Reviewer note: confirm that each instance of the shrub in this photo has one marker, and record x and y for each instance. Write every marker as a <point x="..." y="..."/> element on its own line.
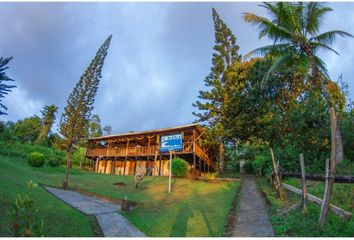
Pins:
<point x="262" y="165"/>
<point x="179" y="167"/>
<point x="24" y="217"/>
<point x="248" y="167"/>
<point x="53" y="162"/>
<point x="36" y="159"/>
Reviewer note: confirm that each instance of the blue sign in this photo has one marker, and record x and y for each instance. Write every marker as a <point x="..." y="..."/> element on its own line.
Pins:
<point x="171" y="143"/>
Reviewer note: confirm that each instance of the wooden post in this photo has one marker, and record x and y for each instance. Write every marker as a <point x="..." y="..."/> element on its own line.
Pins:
<point x="147" y="157"/>
<point x="126" y="156"/>
<point x="136" y="163"/>
<point x="303" y="183"/>
<point x="200" y="166"/>
<point x="105" y="166"/>
<point x="330" y="170"/>
<point x="114" y="166"/>
<point x="160" y="165"/>
<point x="276" y="175"/>
<point x="194" y="156"/>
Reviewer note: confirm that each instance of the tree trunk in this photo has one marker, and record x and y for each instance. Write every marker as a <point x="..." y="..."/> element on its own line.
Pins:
<point x="222" y="157"/>
<point x="66" y="179"/>
<point x="339" y="145"/>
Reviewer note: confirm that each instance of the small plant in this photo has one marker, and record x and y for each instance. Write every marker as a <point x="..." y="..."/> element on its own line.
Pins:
<point x="53" y="162"/>
<point x="24" y="217"/>
<point x="179" y="167"/>
<point x="36" y="159"/>
<point x="210" y="177"/>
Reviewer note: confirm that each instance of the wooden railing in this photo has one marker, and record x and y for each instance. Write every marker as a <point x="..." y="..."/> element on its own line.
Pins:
<point x="201" y="154"/>
<point x="147" y="151"/>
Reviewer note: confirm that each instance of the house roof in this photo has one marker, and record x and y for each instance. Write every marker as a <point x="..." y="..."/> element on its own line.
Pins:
<point x="161" y="130"/>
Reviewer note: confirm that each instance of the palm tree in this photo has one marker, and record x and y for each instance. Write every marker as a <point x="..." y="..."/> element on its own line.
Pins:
<point x="4" y="88"/>
<point x="294" y="29"/>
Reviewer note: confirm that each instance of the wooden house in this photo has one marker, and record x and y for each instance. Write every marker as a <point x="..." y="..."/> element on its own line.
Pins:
<point x="139" y="152"/>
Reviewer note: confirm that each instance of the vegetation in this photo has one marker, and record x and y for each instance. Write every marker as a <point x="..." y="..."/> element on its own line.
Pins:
<point x="296" y="224"/>
<point x="4" y="88"/>
<point x="74" y="121"/>
<point x="14" y="173"/>
<point x="219" y="81"/>
<point x="48" y="118"/>
<point x="25" y="222"/>
<point x="95" y="129"/>
<point x="36" y="159"/>
<point x="174" y="214"/>
<point x="179" y="167"/>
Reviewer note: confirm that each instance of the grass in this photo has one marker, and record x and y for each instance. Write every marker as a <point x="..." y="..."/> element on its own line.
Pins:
<point x="296" y="224"/>
<point x="60" y="219"/>
<point x="194" y="208"/>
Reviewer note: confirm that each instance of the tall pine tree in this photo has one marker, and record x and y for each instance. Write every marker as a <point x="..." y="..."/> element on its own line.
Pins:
<point x="213" y="107"/>
<point x="75" y="118"/>
<point x="48" y="118"/>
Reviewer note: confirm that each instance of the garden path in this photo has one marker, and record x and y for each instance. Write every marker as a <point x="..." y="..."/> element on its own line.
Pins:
<point x="252" y="218"/>
<point x="111" y="222"/>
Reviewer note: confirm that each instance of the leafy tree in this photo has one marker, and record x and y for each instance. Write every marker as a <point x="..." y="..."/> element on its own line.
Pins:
<point x="294" y="29"/>
<point x="48" y="118"/>
<point x="215" y="100"/>
<point x="4" y="88"/>
<point x="74" y="121"/>
<point x="107" y="129"/>
<point x="7" y="132"/>
<point x="28" y="129"/>
<point x="95" y="129"/>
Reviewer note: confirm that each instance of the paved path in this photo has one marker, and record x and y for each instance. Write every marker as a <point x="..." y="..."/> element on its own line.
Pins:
<point x="111" y="222"/>
<point x="252" y="218"/>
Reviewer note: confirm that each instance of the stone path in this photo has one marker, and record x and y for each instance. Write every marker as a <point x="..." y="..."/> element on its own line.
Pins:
<point x="111" y="222"/>
<point x="252" y="218"/>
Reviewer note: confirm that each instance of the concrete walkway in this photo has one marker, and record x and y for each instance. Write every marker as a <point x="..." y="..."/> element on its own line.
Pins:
<point x="111" y="222"/>
<point x="252" y="218"/>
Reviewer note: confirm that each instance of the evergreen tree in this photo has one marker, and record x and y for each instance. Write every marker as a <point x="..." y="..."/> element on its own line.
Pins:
<point x="4" y="88"/>
<point x="215" y="99"/>
<point x="74" y="121"/>
<point x="48" y="118"/>
<point x="95" y="129"/>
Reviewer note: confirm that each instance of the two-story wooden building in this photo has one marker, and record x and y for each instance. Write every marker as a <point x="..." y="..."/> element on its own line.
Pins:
<point x="139" y="152"/>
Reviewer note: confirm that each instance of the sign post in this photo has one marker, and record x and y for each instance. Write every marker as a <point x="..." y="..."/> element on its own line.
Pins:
<point x="170" y="173"/>
<point x="170" y="143"/>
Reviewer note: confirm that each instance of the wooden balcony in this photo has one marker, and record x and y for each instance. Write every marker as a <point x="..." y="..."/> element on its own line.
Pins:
<point x="142" y="151"/>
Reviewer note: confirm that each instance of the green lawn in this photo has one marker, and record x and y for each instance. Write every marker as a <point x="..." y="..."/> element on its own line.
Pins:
<point x="295" y="224"/>
<point x="194" y="208"/>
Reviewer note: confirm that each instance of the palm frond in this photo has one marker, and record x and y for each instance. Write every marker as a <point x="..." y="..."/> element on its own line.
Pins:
<point x="322" y="66"/>
<point x="318" y="46"/>
<point x="279" y="61"/>
<point x="262" y="51"/>
<point x="328" y="38"/>
<point x="314" y="16"/>
<point x="267" y="28"/>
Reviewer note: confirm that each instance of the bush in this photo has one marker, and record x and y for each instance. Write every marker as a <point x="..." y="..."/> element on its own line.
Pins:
<point x="36" y="159"/>
<point x="248" y="167"/>
<point x="179" y="167"/>
<point x="262" y="165"/>
<point x="53" y="162"/>
<point x="24" y="217"/>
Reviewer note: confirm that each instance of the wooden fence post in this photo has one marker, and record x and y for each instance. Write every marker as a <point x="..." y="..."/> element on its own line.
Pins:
<point x="276" y="175"/>
<point x="330" y="170"/>
<point x="303" y="183"/>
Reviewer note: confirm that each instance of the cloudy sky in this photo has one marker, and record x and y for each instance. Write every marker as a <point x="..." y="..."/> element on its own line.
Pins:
<point x="159" y="55"/>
